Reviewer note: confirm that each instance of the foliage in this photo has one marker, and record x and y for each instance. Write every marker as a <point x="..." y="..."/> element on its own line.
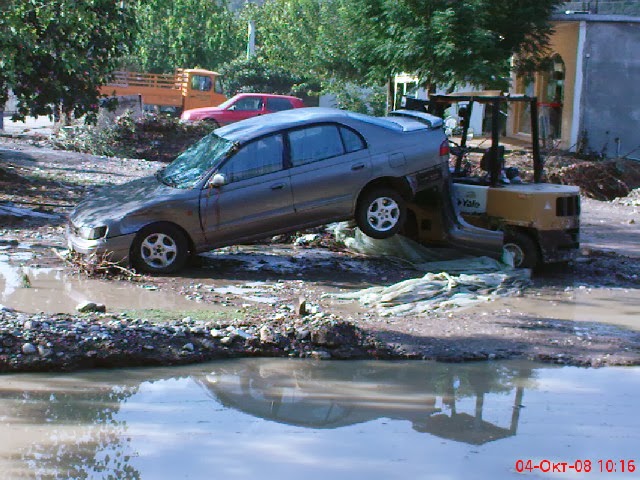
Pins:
<point x="151" y="136"/>
<point x="316" y="38"/>
<point x="371" y="100"/>
<point x="257" y="75"/>
<point x="185" y="34"/>
<point x="366" y="41"/>
<point x="453" y="43"/>
<point x="55" y="53"/>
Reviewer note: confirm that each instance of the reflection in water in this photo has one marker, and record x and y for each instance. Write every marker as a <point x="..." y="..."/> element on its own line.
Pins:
<point x="267" y="418"/>
<point x="63" y="429"/>
<point x="323" y="396"/>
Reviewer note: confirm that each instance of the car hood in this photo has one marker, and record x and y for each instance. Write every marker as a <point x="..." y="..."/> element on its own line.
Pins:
<point x="205" y="110"/>
<point x="114" y="202"/>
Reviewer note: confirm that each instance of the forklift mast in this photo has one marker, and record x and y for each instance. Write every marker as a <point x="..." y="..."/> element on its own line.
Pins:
<point x="437" y="104"/>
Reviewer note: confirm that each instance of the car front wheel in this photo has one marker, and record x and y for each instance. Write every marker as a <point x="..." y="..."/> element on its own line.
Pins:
<point x="159" y="248"/>
<point x="381" y="213"/>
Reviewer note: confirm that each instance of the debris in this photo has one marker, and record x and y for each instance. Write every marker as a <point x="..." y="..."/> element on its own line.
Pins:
<point x="459" y="283"/>
<point x="87" y="307"/>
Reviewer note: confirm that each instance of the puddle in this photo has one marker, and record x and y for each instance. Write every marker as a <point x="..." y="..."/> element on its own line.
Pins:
<point x="270" y="418"/>
<point x="288" y="259"/>
<point x="618" y="306"/>
<point x="52" y="291"/>
<point x="259" y="292"/>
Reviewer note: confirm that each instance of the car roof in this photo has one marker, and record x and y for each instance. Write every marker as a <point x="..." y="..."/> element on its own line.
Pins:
<point x="257" y="126"/>
<point x="270" y="95"/>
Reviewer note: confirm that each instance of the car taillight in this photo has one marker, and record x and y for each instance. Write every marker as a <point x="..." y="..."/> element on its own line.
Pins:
<point x="444" y="148"/>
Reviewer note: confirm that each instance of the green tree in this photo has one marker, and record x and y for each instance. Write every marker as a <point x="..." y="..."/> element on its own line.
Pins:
<point x="257" y="75"/>
<point x="447" y="42"/>
<point x="56" y="53"/>
<point x="322" y="38"/>
<point x="185" y="34"/>
<point x="450" y="42"/>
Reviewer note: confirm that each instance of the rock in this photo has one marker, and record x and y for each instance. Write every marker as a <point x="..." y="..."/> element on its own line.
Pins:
<point x="270" y="336"/>
<point x="44" y="351"/>
<point x="149" y="347"/>
<point x="226" y="341"/>
<point x="303" y="334"/>
<point x="87" y="307"/>
<point x="320" y="355"/>
<point x="243" y="334"/>
<point x="30" y="325"/>
<point x="215" y="333"/>
<point x="29" y="349"/>
<point x="188" y="347"/>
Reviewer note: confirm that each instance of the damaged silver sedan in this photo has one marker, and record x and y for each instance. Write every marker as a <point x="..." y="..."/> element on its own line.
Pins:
<point x="262" y="177"/>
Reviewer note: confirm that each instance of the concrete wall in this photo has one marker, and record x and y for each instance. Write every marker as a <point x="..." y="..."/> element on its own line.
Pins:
<point x="610" y="101"/>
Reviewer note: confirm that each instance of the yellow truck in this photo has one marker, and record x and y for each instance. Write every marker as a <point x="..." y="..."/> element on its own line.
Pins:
<point x="171" y="93"/>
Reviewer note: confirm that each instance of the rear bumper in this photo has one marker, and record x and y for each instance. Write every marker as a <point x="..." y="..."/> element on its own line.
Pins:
<point x="559" y="245"/>
<point x="116" y="248"/>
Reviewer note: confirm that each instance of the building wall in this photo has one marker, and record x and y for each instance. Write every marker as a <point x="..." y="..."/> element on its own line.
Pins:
<point x="610" y="101"/>
<point x="564" y="42"/>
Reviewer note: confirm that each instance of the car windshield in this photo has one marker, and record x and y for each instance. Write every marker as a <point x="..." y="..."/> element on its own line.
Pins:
<point x="227" y="103"/>
<point x="192" y="164"/>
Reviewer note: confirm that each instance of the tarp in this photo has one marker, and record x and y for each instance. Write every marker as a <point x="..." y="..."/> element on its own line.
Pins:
<point x="446" y="285"/>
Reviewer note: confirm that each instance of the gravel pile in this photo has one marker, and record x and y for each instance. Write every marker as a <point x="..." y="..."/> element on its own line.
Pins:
<point x="68" y="342"/>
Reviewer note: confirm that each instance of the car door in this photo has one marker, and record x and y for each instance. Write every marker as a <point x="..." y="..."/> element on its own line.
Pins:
<point x="329" y="166"/>
<point x="244" y="107"/>
<point x="256" y="197"/>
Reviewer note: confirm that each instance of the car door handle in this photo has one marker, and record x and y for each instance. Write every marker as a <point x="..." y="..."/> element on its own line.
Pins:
<point x="357" y="166"/>
<point x="278" y="186"/>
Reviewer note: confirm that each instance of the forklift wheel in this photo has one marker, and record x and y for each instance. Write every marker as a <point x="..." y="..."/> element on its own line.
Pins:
<point x="523" y="248"/>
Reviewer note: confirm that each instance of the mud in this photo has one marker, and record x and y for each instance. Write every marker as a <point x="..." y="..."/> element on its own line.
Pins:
<point x="264" y="285"/>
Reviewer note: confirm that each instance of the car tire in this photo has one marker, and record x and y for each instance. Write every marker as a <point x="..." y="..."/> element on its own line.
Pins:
<point x="159" y="248"/>
<point x="381" y="213"/>
<point x="523" y="248"/>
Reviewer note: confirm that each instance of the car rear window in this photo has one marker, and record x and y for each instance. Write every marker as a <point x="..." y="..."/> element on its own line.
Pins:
<point x="278" y="104"/>
<point x="351" y="140"/>
<point x="315" y="143"/>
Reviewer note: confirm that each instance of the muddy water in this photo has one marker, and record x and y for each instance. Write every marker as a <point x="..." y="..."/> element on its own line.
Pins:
<point x="618" y="306"/>
<point x="54" y="291"/>
<point x="272" y="418"/>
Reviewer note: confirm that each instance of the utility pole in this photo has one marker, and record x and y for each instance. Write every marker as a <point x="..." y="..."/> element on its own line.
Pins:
<point x="251" y="39"/>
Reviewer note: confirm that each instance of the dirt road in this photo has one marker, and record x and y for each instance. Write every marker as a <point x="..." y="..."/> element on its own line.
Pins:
<point x="261" y="287"/>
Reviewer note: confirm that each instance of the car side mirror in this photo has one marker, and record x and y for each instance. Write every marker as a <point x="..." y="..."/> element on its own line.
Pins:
<point x="232" y="107"/>
<point x="217" y="180"/>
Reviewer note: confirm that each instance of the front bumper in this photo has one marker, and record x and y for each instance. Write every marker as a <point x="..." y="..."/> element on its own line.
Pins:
<point x="116" y="249"/>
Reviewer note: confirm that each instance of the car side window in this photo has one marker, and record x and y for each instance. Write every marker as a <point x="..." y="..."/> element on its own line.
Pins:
<point x="248" y="104"/>
<point x="254" y="159"/>
<point x="352" y="141"/>
<point x="315" y="143"/>
<point x="218" y="86"/>
<point x="278" y="104"/>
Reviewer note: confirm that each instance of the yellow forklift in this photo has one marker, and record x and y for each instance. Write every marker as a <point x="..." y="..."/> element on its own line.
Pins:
<point x="540" y="221"/>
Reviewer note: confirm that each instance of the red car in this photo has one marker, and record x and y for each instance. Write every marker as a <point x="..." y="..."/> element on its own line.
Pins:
<point x="242" y="106"/>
